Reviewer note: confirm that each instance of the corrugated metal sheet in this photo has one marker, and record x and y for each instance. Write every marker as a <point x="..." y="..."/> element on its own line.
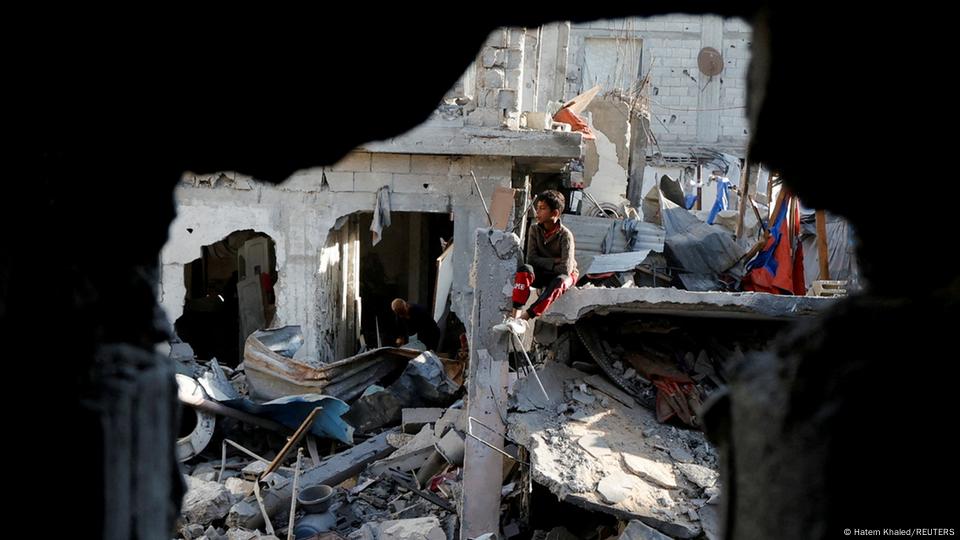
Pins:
<point x="617" y="262"/>
<point x="589" y="232"/>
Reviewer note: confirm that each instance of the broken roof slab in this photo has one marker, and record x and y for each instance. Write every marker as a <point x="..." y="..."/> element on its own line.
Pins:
<point x="577" y="303"/>
<point x="611" y="456"/>
<point x="480" y="141"/>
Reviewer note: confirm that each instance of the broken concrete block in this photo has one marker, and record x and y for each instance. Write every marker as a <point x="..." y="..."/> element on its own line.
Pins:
<point x="595" y="445"/>
<point x="253" y="470"/>
<point x="205" y="501"/>
<point x="212" y="533"/>
<point x="713" y="495"/>
<point x="242" y="534"/>
<point x="637" y="530"/>
<point x="618" y="486"/>
<point x="451" y="418"/>
<point x="710" y="521"/>
<point x="488" y="57"/>
<point x="409" y="456"/>
<point x="681" y="454"/>
<point x="583" y="397"/>
<point x="484" y="117"/>
<point x="648" y="469"/>
<point x="451" y="447"/>
<point x="239" y="487"/>
<point x="397" y="440"/>
<point x="413" y="420"/>
<point x="192" y="531"/>
<point x="698" y="474"/>
<point x="426" y="528"/>
<point x="209" y="476"/>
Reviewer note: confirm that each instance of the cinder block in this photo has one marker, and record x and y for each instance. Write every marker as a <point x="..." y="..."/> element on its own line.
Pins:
<point x="488" y="57"/>
<point x="340" y="181"/>
<point x="499" y="38"/>
<point x="489" y="98"/>
<point x="419" y="183"/>
<point x="353" y="162"/>
<point x="413" y="420"/>
<point x="493" y="78"/>
<point x="397" y="163"/>
<point x="508" y="100"/>
<point x="371" y="181"/>
<point x="429" y="165"/>
<point x="483" y="117"/>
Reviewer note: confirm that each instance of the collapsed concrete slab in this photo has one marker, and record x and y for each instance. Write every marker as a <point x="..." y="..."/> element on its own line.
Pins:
<point x="577" y="303"/>
<point x="427" y="528"/>
<point x="609" y="457"/>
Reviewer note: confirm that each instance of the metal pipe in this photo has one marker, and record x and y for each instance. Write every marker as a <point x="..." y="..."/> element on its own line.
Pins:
<point x="214" y="407"/>
<point x="293" y="499"/>
<point x="482" y="200"/>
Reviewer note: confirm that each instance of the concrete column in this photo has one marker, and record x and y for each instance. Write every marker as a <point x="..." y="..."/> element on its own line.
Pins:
<point x="554" y="43"/>
<point x="494" y="264"/>
<point x="708" y="115"/>
<point x="531" y="69"/>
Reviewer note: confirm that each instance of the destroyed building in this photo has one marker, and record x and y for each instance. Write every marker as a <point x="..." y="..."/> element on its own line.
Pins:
<point x="787" y="428"/>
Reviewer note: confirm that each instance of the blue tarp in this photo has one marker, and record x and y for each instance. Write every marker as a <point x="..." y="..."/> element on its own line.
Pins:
<point x="290" y="411"/>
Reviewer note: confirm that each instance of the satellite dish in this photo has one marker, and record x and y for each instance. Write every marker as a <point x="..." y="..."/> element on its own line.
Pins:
<point x="710" y="61"/>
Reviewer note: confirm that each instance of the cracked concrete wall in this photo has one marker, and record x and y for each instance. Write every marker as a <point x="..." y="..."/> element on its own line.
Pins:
<point x="499" y="81"/>
<point x="606" y="160"/>
<point x="300" y="213"/>
<point x="687" y="107"/>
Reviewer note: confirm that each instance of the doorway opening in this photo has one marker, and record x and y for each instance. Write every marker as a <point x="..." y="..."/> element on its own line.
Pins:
<point x="229" y="295"/>
<point x="404" y="264"/>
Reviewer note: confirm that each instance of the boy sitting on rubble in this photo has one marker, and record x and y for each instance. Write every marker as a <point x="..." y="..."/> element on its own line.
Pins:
<point x="550" y="264"/>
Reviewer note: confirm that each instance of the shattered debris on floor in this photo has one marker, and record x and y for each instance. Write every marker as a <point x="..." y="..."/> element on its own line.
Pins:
<point x="600" y="449"/>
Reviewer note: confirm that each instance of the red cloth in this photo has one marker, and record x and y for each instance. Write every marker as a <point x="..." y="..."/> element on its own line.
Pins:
<point x="788" y="254"/>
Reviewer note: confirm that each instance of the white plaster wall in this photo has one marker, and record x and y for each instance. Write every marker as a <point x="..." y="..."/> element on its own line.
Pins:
<point x="609" y="184"/>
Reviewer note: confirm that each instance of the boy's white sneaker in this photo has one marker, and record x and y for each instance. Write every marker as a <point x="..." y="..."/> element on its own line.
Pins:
<point x="511" y="324"/>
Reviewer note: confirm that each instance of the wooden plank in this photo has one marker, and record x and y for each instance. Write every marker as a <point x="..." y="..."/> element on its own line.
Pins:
<point x="742" y="197"/>
<point x="822" y="245"/>
<point x="501" y="207"/>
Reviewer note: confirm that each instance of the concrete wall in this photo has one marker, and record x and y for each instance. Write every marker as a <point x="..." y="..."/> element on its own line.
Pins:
<point x="300" y="214"/>
<point x="687" y="108"/>
<point x="499" y="79"/>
